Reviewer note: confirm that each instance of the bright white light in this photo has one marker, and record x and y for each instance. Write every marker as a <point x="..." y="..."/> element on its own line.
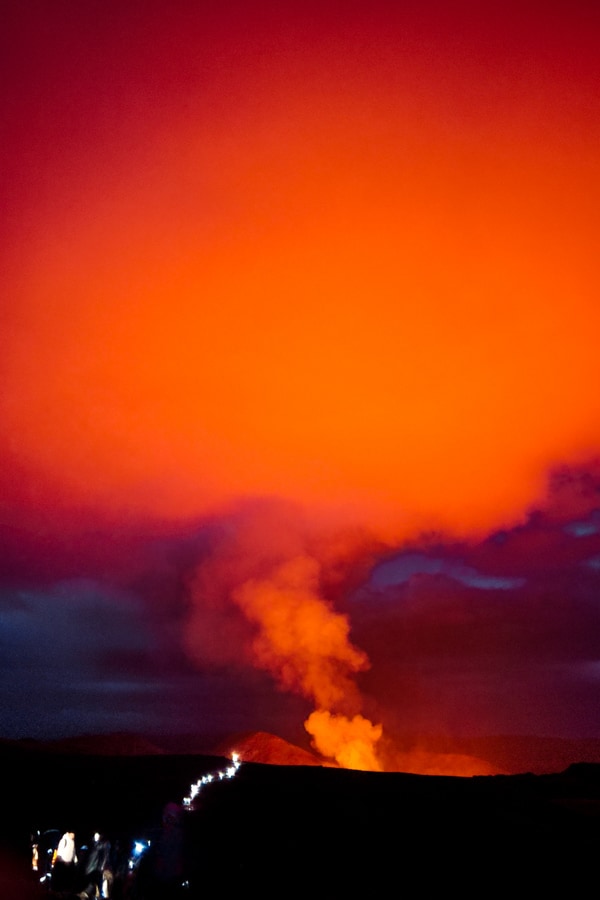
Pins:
<point x="207" y="779"/>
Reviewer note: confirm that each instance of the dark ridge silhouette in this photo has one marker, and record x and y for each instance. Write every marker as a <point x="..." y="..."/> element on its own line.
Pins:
<point x="285" y="830"/>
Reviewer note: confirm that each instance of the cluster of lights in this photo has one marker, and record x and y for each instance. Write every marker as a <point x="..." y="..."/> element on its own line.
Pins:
<point x="140" y="847"/>
<point x="229" y="772"/>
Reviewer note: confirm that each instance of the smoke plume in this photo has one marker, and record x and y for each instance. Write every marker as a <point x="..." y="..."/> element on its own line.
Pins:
<point x="296" y="634"/>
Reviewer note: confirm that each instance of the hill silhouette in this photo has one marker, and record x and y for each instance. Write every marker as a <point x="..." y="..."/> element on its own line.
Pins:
<point x="409" y="753"/>
<point x="281" y="830"/>
<point x="262" y="747"/>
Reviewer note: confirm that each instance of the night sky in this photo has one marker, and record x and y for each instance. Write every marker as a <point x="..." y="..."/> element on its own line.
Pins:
<point x="300" y="418"/>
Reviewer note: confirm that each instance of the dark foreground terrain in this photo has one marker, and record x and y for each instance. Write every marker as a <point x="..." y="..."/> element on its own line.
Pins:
<point x="284" y="831"/>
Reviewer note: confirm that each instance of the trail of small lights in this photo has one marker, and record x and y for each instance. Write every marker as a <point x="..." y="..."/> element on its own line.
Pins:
<point x="229" y="772"/>
<point x="139" y="846"/>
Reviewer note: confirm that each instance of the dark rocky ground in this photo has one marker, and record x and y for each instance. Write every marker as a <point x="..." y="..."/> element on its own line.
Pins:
<point x="285" y="831"/>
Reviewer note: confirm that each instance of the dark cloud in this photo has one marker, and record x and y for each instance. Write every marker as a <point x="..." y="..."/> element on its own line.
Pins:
<point x="402" y="567"/>
<point x="55" y="643"/>
<point x="498" y="635"/>
<point x="452" y="653"/>
<point x="88" y="655"/>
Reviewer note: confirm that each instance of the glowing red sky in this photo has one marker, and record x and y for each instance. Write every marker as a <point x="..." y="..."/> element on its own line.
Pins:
<point x="340" y="256"/>
<point x="344" y="257"/>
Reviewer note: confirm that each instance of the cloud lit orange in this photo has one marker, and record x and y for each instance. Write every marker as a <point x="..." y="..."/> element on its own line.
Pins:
<point x="361" y="283"/>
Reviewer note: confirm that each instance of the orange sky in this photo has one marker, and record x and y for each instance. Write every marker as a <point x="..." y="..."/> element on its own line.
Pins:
<point x="347" y="268"/>
<point x="334" y="255"/>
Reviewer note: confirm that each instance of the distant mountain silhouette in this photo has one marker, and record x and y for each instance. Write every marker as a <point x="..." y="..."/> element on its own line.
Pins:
<point x="506" y="754"/>
<point x="116" y="744"/>
<point x="411" y="753"/>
